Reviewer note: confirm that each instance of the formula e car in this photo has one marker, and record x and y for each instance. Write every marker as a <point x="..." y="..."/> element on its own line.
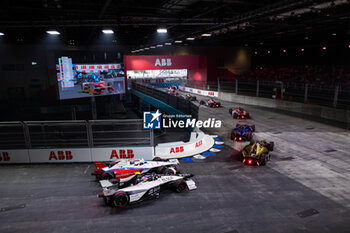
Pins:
<point x="124" y="170"/>
<point x="145" y="187"/>
<point x="190" y="97"/>
<point x="257" y="153"/>
<point x="210" y="103"/>
<point x="242" y="132"/>
<point x="238" y="113"/>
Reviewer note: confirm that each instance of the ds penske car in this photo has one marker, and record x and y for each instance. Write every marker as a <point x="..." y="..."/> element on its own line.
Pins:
<point x="257" y="153"/>
<point x="238" y="113"/>
<point x="242" y="132"/>
<point x="190" y="97"/>
<point x="210" y="103"/>
<point x="145" y="187"/>
<point x="124" y="170"/>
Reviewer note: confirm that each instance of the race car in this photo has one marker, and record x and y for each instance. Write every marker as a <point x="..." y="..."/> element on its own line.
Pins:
<point x="124" y="170"/>
<point x="238" y="113"/>
<point x="257" y="153"/>
<point x="190" y="97"/>
<point x="145" y="187"/>
<point x="242" y="132"/>
<point x="210" y="103"/>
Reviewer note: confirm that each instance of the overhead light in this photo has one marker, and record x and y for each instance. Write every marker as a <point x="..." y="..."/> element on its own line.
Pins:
<point x="108" y="31"/>
<point x="324" y="48"/>
<point x="2" y="34"/>
<point x="146" y="48"/>
<point x="53" y="32"/>
<point x="133" y="51"/>
<point x="178" y="41"/>
<point x="189" y="38"/>
<point x="284" y="50"/>
<point x="206" y="34"/>
<point x="306" y="37"/>
<point x="141" y="49"/>
<point x="334" y="34"/>
<point x="167" y="43"/>
<point x="302" y="50"/>
<point x="162" y="30"/>
<point x="159" y="45"/>
<point x="152" y="47"/>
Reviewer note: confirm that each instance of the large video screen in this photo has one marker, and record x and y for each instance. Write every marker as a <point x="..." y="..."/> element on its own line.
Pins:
<point x="87" y="80"/>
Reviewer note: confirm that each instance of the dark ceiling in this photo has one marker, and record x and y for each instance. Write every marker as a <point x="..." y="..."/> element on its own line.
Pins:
<point x="231" y="22"/>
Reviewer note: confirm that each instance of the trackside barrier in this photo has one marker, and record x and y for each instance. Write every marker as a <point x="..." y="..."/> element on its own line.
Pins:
<point x="74" y="141"/>
<point x="200" y="92"/>
<point x="69" y="155"/>
<point x="199" y="142"/>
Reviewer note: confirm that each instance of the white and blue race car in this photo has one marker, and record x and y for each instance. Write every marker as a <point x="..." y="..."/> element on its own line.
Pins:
<point x="144" y="187"/>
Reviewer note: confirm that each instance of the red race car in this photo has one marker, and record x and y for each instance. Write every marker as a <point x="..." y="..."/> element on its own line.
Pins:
<point x="239" y="113"/>
<point x="124" y="170"/>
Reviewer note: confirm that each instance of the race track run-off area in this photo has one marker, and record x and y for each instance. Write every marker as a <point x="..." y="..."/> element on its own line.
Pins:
<point x="304" y="188"/>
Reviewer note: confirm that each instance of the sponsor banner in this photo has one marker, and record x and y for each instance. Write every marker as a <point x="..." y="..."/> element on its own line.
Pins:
<point x="201" y="144"/>
<point x="200" y="92"/>
<point x="156" y="62"/>
<point x="96" y="67"/>
<point x="14" y="156"/>
<point x="60" y="155"/>
<point x="113" y="153"/>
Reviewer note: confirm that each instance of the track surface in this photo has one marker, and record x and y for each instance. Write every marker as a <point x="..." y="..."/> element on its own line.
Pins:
<point x="230" y="198"/>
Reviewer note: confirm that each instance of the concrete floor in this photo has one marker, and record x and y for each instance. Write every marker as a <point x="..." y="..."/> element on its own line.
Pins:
<point x="309" y="170"/>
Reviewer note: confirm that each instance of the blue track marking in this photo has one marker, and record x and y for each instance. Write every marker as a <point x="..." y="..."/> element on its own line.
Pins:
<point x="207" y="153"/>
<point x="218" y="146"/>
<point x="187" y="159"/>
<point x="217" y="139"/>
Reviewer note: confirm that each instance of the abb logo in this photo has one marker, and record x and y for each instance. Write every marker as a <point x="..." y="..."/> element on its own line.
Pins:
<point x="61" y="155"/>
<point x="199" y="92"/>
<point x="198" y="144"/>
<point x="163" y="62"/>
<point x="4" y="156"/>
<point x="191" y="90"/>
<point x="178" y="149"/>
<point x="211" y="93"/>
<point x="122" y="155"/>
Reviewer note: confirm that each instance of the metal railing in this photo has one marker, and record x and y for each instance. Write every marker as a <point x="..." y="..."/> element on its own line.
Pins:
<point x="332" y="95"/>
<point x="74" y="134"/>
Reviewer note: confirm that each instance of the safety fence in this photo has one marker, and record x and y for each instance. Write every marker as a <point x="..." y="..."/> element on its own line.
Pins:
<point x="160" y="94"/>
<point x="74" y="141"/>
<point x="73" y="134"/>
<point x="332" y="95"/>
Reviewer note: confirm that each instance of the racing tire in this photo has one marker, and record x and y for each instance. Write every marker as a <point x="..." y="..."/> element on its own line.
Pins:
<point x="169" y="171"/>
<point x="108" y="176"/>
<point x="201" y="102"/>
<point x="253" y="128"/>
<point x="263" y="159"/>
<point x="181" y="186"/>
<point x="249" y="137"/>
<point x="235" y="115"/>
<point x="160" y="170"/>
<point x="120" y="199"/>
<point x="230" y="110"/>
<point x="271" y="145"/>
<point x="176" y="168"/>
<point x="157" y="159"/>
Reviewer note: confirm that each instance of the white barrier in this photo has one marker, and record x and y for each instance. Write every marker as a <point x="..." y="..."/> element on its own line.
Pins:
<point x="113" y="153"/>
<point x="198" y="143"/>
<point x="64" y="155"/>
<point x="14" y="156"/>
<point x="59" y="155"/>
<point x="200" y="92"/>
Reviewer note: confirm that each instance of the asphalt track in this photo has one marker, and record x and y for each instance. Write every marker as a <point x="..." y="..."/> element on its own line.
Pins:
<point x="304" y="188"/>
